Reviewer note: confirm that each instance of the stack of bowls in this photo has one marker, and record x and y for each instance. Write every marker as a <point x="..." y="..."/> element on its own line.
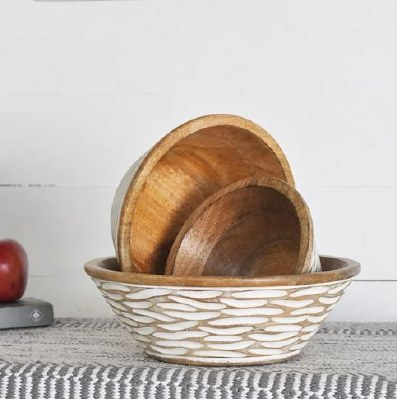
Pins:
<point x="216" y="259"/>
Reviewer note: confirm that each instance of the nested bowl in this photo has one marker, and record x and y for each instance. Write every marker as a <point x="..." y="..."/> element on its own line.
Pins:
<point x="254" y="227"/>
<point x="192" y="162"/>
<point x="222" y="320"/>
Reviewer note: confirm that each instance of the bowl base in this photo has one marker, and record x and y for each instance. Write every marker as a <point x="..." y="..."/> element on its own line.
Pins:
<point x="223" y="361"/>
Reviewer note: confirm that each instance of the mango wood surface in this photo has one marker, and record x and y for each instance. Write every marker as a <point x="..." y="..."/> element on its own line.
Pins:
<point x="254" y="227"/>
<point x="179" y="173"/>
<point x="333" y="269"/>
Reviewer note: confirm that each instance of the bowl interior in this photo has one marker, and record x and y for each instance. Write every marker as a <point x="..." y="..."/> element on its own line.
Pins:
<point x="255" y="227"/>
<point x="190" y="164"/>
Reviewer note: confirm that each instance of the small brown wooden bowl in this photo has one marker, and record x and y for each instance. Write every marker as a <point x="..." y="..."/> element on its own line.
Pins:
<point x="254" y="227"/>
<point x="189" y="164"/>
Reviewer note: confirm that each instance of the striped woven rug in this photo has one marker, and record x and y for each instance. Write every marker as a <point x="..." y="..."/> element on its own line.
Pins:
<point x="96" y="358"/>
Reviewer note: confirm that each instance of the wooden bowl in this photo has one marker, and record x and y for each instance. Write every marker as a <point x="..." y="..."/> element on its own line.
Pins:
<point x="222" y="320"/>
<point x="193" y="161"/>
<point x="253" y="227"/>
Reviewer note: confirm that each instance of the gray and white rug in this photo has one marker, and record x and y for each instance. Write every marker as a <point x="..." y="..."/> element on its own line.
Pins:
<point x="96" y="358"/>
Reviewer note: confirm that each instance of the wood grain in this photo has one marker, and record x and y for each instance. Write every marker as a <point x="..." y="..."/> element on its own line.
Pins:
<point x="253" y="227"/>
<point x="179" y="173"/>
<point x="333" y="269"/>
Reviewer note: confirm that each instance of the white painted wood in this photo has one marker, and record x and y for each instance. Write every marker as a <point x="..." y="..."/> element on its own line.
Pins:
<point x="60" y="227"/>
<point x="356" y="222"/>
<point x="63" y="226"/>
<point x="87" y="87"/>
<point x="71" y="297"/>
<point x="78" y="297"/>
<point x="81" y="80"/>
<point x="367" y="301"/>
<point x="104" y="134"/>
<point x="219" y="348"/>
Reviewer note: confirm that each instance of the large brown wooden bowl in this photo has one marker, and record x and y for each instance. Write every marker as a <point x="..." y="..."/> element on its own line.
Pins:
<point x="190" y="163"/>
<point x="222" y="320"/>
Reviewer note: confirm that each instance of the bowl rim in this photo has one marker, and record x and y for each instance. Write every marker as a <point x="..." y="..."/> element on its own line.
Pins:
<point x="337" y="269"/>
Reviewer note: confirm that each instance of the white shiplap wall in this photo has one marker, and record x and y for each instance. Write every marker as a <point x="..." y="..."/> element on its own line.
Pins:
<point x="87" y="87"/>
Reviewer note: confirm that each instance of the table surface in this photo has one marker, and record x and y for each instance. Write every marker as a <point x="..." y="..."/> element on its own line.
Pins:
<point x="88" y="355"/>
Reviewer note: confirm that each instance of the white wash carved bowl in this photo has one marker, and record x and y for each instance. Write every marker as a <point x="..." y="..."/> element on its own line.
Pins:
<point x="241" y="322"/>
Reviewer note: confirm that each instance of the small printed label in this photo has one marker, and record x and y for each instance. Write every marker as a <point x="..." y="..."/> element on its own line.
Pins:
<point x="35" y="315"/>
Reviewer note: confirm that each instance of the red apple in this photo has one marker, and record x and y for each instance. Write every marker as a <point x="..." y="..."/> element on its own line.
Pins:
<point x="13" y="270"/>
